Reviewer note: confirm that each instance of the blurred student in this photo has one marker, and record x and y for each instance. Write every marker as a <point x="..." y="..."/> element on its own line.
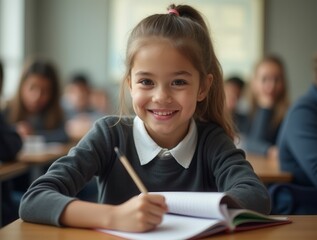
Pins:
<point x="234" y="87"/>
<point x="36" y="109"/>
<point x="10" y="145"/>
<point x="79" y="111"/>
<point x="298" y="138"/>
<point x="101" y="102"/>
<point x="269" y="103"/>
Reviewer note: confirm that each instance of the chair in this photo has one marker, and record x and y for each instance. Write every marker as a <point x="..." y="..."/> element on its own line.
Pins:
<point x="292" y="199"/>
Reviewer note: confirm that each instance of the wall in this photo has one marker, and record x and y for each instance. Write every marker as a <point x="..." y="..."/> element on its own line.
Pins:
<point x="68" y="30"/>
<point x="291" y="32"/>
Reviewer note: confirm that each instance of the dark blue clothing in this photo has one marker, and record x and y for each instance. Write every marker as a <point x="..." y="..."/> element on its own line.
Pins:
<point x="57" y="134"/>
<point x="260" y="134"/>
<point x="298" y="140"/>
<point x="10" y="141"/>
<point x="10" y="145"/>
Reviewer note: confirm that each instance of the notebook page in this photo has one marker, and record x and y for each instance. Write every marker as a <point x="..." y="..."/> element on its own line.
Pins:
<point x="198" y="204"/>
<point x="175" y="227"/>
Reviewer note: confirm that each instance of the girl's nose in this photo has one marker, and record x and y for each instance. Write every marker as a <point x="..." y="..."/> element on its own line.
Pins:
<point x="162" y="95"/>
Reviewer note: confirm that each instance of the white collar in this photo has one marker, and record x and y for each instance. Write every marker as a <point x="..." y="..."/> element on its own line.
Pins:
<point x="147" y="149"/>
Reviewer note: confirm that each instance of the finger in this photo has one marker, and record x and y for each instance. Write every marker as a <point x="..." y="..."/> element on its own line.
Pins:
<point x="154" y="219"/>
<point x="158" y="200"/>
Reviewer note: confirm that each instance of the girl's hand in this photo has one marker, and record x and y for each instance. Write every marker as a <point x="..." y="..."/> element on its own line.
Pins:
<point x="24" y="129"/>
<point x="139" y="214"/>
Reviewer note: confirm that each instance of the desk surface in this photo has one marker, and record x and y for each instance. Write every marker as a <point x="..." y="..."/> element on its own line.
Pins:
<point x="47" y="155"/>
<point x="11" y="169"/>
<point x="302" y="227"/>
<point x="268" y="169"/>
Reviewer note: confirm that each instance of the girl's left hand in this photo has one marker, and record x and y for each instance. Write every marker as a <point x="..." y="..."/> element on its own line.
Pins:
<point x="24" y="129"/>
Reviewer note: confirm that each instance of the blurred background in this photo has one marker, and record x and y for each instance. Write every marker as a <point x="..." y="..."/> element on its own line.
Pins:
<point x="90" y="36"/>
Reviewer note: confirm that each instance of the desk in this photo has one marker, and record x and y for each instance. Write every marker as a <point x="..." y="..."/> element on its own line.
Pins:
<point x="303" y="227"/>
<point x="11" y="169"/>
<point x="7" y="171"/>
<point x="47" y="155"/>
<point x="268" y="169"/>
<point x="39" y="159"/>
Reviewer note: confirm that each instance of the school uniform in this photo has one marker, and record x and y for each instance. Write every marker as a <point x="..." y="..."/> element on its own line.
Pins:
<point x="205" y="160"/>
<point x="298" y="140"/>
<point x="260" y="134"/>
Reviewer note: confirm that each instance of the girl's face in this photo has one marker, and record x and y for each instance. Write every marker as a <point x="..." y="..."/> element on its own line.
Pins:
<point x="36" y="92"/>
<point x="268" y="83"/>
<point x="165" y="88"/>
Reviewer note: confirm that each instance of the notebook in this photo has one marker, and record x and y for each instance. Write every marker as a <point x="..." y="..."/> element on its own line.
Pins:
<point x="201" y="214"/>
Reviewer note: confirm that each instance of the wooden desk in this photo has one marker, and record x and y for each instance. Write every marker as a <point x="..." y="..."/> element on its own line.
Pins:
<point x="49" y="154"/>
<point x="268" y="169"/>
<point x="32" y="162"/>
<point x="11" y="169"/>
<point x="7" y="171"/>
<point x="37" y="160"/>
<point x="303" y="227"/>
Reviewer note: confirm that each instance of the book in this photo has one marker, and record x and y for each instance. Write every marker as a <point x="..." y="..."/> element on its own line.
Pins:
<point x="201" y="214"/>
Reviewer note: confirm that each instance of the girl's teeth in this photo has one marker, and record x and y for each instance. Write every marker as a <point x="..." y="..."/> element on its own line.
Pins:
<point x="163" y="113"/>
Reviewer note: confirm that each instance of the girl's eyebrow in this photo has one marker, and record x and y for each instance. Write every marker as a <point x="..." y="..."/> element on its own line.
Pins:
<point x="144" y="73"/>
<point x="182" y="73"/>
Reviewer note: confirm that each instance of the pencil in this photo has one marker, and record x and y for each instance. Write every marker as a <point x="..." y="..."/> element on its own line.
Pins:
<point x="131" y="171"/>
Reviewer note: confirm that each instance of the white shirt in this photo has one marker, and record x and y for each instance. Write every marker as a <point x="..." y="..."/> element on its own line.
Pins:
<point x="147" y="149"/>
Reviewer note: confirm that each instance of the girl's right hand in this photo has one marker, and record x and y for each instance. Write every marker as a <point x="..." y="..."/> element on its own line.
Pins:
<point x="139" y="214"/>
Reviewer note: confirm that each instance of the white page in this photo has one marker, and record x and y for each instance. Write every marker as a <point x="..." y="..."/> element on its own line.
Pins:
<point x="199" y="204"/>
<point x="173" y="227"/>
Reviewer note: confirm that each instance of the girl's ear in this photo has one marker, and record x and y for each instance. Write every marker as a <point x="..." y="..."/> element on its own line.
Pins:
<point x="204" y="88"/>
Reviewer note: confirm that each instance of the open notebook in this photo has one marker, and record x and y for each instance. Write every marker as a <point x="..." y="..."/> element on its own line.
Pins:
<point x="199" y="214"/>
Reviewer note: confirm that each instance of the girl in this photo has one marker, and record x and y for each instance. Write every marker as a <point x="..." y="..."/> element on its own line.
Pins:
<point x="35" y="109"/>
<point x="269" y="103"/>
<point x="179" y="139"/>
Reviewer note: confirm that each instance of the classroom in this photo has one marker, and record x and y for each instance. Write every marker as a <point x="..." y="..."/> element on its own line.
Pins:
<point x="263" y="59"/>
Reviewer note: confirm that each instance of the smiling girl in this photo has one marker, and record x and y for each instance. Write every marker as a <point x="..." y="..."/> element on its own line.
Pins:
<point x="178" y="140"/>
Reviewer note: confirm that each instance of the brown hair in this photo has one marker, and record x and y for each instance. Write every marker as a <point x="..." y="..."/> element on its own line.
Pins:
<point x="282" y="102"/>
<point x="53" y="113"/>
<point x="189" y="34"/>
<point x="1" y="77"/>
<point x="315" y="68"/>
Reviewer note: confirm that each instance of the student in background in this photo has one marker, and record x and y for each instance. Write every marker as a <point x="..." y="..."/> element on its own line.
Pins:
<point x="10" y="145"/>
<point x="298" y="146"/>
<point x="101" y="102"/>
<point x="36" y="109"/>
<point x="80" y="114"/>
<point x="268" y="105"/>
<point x="234" y="89"/>
<point x="179" y="140"/>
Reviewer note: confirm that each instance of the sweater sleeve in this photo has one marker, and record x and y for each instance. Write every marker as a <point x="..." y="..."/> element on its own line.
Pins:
<point x="234" y="174"/>
<point x="47" y="196"/>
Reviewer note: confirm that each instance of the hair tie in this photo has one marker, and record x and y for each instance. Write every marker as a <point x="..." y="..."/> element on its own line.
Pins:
<point x="173" y="11"/>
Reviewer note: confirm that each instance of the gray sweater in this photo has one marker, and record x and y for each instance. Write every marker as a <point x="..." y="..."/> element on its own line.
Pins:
<point x="216" y="166"/>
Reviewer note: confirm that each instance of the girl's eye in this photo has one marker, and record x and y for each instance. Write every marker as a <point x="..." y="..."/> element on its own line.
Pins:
<point x="179" y="82"/>
<point x="146" y="82"/>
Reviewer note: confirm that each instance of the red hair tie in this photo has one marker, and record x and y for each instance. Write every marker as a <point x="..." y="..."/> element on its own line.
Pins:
<point x="173" y="11"/>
